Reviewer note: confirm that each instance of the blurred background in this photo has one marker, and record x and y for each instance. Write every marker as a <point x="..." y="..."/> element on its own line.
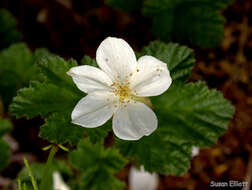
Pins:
<point x="72" y="28"/>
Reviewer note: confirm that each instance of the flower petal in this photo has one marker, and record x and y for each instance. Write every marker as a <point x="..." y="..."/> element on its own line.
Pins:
<point x="134" y="121"/>
<point x="139" y="179"/>
<point x="152" y="79"/>
<point x="58" y="183"/>
<point x="94" y="109"/>
<point x="116" y="58"/>
<point x="89" y="79"/>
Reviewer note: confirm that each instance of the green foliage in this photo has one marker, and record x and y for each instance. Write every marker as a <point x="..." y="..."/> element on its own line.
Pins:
<point x="86" y="60"/>
<point x="38" y="170"/>
<point x="193" y="113"/>
<point x="18" y="67"/>
<point x="5" y="127"/>
<point x="54" y="99"/>
<point x="197" y="21"/>
<point x="8" y="30"/>
<point x="58" y="128"/>
<point x="188" y="115"/>
<point x="180" y="59"/>
<point x="97" y="166"/>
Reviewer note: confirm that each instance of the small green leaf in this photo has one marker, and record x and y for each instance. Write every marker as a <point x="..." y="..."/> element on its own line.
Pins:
<point x="54" y="70"/>
<point x="59" y="129"/>
<point x="86" y="60"/>
<point x="158" y="153"/>
<point x="97" y="166"/>
<point x="8" y="30"/>
<point x="98" y="134"/>
<point x="55" y="99"/>
<point x="43" y="99"/>
<point x="180" y="59"/>
<point x="188" y="115"/>
<point x="18" y="67"/>
<point x="198" y="21"/>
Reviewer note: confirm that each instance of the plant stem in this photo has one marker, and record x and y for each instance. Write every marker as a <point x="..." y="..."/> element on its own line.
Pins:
<point x="19" y="184"/>
<point x="24" y="186"/>
<point x="34" y="183"/>
<point x="47" y="172"/>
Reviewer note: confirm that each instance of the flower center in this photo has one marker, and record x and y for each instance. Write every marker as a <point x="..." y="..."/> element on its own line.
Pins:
<point x="125" y="96"/>
<point x="122" y="91"/>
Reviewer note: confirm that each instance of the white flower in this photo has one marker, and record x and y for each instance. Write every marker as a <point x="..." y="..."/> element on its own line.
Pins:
<point x="195" y="151"/>
<point x="119" y="89"/>
<point x="58" y="183"/>
<point x="142" y="180"/>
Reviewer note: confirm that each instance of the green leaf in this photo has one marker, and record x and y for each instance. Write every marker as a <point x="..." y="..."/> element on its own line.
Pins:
<point x="98" y="134"/>
<point x="193" y="113"/>
<point x="8" y="30"/>
<point x="158" y="153"/>
<point x="130" y="5"/>
<point x="54" y="70"/>
<point x="97" y="166"/>
<point x="59" y="129"/>
<point x="86" y="60"/>
<point x="180" y="59"/>
<point x="5" y="127"/>
<point x="43" y="99"/>
<point x="18" y="67"/>
<point x="188" y="115"/>
<point x="56" y="94"/>
<point x="198" y="21"/>
<point x="55" y="99"/>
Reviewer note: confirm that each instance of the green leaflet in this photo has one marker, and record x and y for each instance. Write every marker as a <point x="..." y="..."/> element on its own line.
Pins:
<point x="97" y="166"/>
<point x="180" y="59"/>
<point x="193" y="113"/>
<point x="197" y="21"/>
<point x="5" y="127"/>
<point x="38" y="170"/>
<point x="188" y="115"/>
<point x="17" y="68"/>
<point x="86" y="60"/>
<point x="59" y="129"/>
<point x="8" y="31"/>
<point x="55" y="99"/>
<point x="42" y="99"/>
